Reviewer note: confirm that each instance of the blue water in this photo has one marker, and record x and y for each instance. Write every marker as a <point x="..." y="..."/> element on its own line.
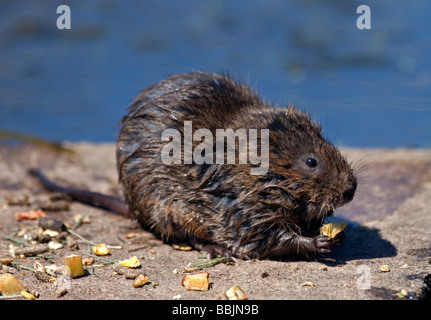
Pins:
<point x="367" y="88"/>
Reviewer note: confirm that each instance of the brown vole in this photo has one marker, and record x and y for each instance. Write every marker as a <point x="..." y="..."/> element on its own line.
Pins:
<point x="220" y="207"/>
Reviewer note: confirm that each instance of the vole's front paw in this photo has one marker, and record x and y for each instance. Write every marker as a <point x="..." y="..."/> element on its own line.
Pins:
<point x="338" y="239"/>
<point x="322" y="243"/>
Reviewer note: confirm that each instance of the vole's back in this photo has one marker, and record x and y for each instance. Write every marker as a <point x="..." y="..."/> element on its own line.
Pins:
<point x="161" y="195"/>
<point x="223" y="204"/>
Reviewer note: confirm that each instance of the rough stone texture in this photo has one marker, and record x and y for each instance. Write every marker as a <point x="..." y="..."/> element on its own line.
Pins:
<point x="389" y="223"/>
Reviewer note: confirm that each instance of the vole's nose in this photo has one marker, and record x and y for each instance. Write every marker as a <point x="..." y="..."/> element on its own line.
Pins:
<point x="350" y="192"/>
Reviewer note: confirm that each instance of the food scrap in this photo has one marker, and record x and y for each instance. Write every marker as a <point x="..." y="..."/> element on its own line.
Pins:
<point x="332" y="229"/>
<point x="55" y="245"/>
<point x="131" y="235"/>
<point x="81" y="218"/>
<point x="27" y="295"/>
<point x="100" y="249"/>
<point x="87" y="261"/>
<point x="74" y="267"/>
<point x="60" y="292"/>
<point x="9" y="285"/>
<point x="196" y="281"/>
<point x="29" y="215"/>
<point x="140" y="280"/>
<point x="133" y="262"/>
<point x="401" y="295"/>
<point x="307" y="284"/>
<point x="182" y="247"/>
<point x="6" y="261"/>
<point x="384" y="268"/>
<point x="236" y="293"/>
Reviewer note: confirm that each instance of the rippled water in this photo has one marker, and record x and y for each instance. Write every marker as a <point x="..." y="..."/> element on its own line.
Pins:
<point x="368" y="88"/>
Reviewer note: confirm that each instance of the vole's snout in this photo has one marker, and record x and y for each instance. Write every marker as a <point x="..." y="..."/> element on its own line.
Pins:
<point x="350" y="192"/>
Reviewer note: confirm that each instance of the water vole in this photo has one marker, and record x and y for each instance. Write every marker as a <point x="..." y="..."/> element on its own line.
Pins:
<point x="220" y="207"/>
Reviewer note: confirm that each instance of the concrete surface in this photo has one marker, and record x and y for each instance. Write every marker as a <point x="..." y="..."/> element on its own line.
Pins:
<point x="389" y="223"/>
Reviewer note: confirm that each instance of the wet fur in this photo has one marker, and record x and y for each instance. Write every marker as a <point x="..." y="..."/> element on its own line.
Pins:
<point x="250" y="216"/>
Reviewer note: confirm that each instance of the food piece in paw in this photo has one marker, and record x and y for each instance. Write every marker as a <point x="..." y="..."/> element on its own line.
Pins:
<point x="332" y="229"/>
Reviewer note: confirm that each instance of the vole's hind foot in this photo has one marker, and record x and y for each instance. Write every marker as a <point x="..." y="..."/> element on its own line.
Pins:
<point x="213" y="250"/>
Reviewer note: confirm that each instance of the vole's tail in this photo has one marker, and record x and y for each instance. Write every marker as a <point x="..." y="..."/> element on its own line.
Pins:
<point x="99" y="200"/>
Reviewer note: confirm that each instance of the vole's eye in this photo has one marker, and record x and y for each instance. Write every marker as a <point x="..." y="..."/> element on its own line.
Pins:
<point x="311" y="162"/>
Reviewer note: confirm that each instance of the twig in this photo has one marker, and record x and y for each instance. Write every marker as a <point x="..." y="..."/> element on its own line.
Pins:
<point x="90" y="242"/>
<point x="207" y="263"/>
<point x="97" y="257"/>
<point x="136" y="249"/>
<point x="32" y="251"/>
<point x="23" y="243"/>
<point x="94" y="272"/>
<point x="79" y="221"/>
<point x="18" y="267"/>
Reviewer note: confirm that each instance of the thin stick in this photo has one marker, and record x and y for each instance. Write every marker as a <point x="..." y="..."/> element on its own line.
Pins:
<point x="18" y="267"/>
<point x="207" y="263"/>
<point x="90" y="242"/>
<point x="97" y="257"/>
<point x="23" y="243"/>
<point x="136" y="249"/>
<point x="79" y="221"/>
